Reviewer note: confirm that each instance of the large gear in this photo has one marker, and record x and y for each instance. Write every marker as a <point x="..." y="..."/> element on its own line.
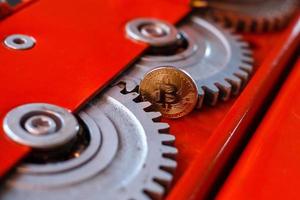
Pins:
<point x="129" y="156"/>
<point x="255" y="16"/>
<point x="218" y="61"/>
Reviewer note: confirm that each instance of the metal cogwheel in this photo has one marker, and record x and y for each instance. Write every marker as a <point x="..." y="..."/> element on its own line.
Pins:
<point x="255" y="16"/>
<point x="129" y="156"/>
<point x="218" y="61"/>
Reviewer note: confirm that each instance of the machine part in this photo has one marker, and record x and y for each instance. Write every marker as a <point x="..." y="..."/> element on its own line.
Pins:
<point x="129" y="156"/>
<point x="171" y="91"/>
<point x="217" y="60"/>
<point x="255" y="16"/>
<point x="154" y="32"/>
<point x="40" y="125"/>
<point x="19" y="42"/>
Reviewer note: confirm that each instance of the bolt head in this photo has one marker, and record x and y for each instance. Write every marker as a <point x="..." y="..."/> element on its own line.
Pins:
<point x="153" y="30"/>
<point x="40" y="125"/>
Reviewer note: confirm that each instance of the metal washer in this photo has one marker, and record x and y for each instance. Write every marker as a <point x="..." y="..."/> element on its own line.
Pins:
<point x="19" y="42"/>
<point x="67" y="125"/>
<point x="170" y="36"/>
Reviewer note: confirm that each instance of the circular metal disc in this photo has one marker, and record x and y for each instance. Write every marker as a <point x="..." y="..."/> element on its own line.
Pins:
<point x="162" y="34"/>
<point x="19" y="42"/>
<point x="66" y="130"/>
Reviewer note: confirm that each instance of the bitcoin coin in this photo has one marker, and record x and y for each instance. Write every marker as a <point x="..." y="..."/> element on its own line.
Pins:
<point x="172" y="91"/>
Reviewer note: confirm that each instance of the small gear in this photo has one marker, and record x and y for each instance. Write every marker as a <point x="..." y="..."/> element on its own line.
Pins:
<point x="254" y="16"/>
<point x="218" y="61"/>
<point x="129" y="156"/>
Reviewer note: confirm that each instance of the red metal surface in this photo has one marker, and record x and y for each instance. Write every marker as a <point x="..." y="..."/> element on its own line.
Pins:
<point x="269" y="166"/>
<point x="207" y="138"/>
<point x="81" y="46"/>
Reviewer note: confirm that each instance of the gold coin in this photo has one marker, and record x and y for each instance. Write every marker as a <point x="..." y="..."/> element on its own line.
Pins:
<point x="172" y="91"/>
<point x="198" y="3"/>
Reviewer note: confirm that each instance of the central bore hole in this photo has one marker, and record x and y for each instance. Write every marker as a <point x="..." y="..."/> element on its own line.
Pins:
<point x="19" y="41"/>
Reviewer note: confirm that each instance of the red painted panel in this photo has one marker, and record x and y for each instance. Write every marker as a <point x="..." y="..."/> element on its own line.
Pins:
<point x="81" y="46"/>
<point x="269" y="166"/>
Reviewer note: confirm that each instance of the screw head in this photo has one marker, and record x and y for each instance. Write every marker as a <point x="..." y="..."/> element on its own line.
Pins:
<point x="40" y="125"/>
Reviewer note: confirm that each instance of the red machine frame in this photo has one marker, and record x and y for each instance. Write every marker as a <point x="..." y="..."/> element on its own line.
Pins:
<point x="68" y="66"/>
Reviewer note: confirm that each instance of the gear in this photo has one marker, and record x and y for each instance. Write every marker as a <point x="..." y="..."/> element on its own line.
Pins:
<point x="255" y="16"/>
<point x="218" y="61"/>
<point x="129" y="156"/>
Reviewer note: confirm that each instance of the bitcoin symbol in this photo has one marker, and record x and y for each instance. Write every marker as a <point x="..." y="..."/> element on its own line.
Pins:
<point x="170" y="90"/>
<point x="167" y="94"/>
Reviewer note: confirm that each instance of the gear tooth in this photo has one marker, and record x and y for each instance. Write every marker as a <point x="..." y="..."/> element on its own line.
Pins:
<point x="247" y="67"/>
<point x="134" y="96"/>
<point x="121" y="86"/>
<point x="211" y="94"/>
<point x="244" y="45"/>
<point x="164" y="178"/>
<point x="169" y="151"/>
<point x="163" y="127"/>
<point x="247" y="52"/>
<point x="248" y="25"/>
<point x="273" y="26"/>
<point x="242" y="75"/>
<point x="248" y="60"/>
<point x="280" y="23"/>
<point x="259" y="26"/>
<point x="155" y="116"/>
<point x="168" y="165"/>
<point x="167" y="139"/>
<point x="131" y="85"/>
<point x="129" y="82"/>
<point x="225" y="89"/>
<point x="145" y="104"/>
<point x="154" y="190"/>
<point x="200" y="98"/>
<point x="238" y="37"/>
<point x="200" y="102"/>
<point x="236" y="84"/>
<point x="230" y="23"/>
